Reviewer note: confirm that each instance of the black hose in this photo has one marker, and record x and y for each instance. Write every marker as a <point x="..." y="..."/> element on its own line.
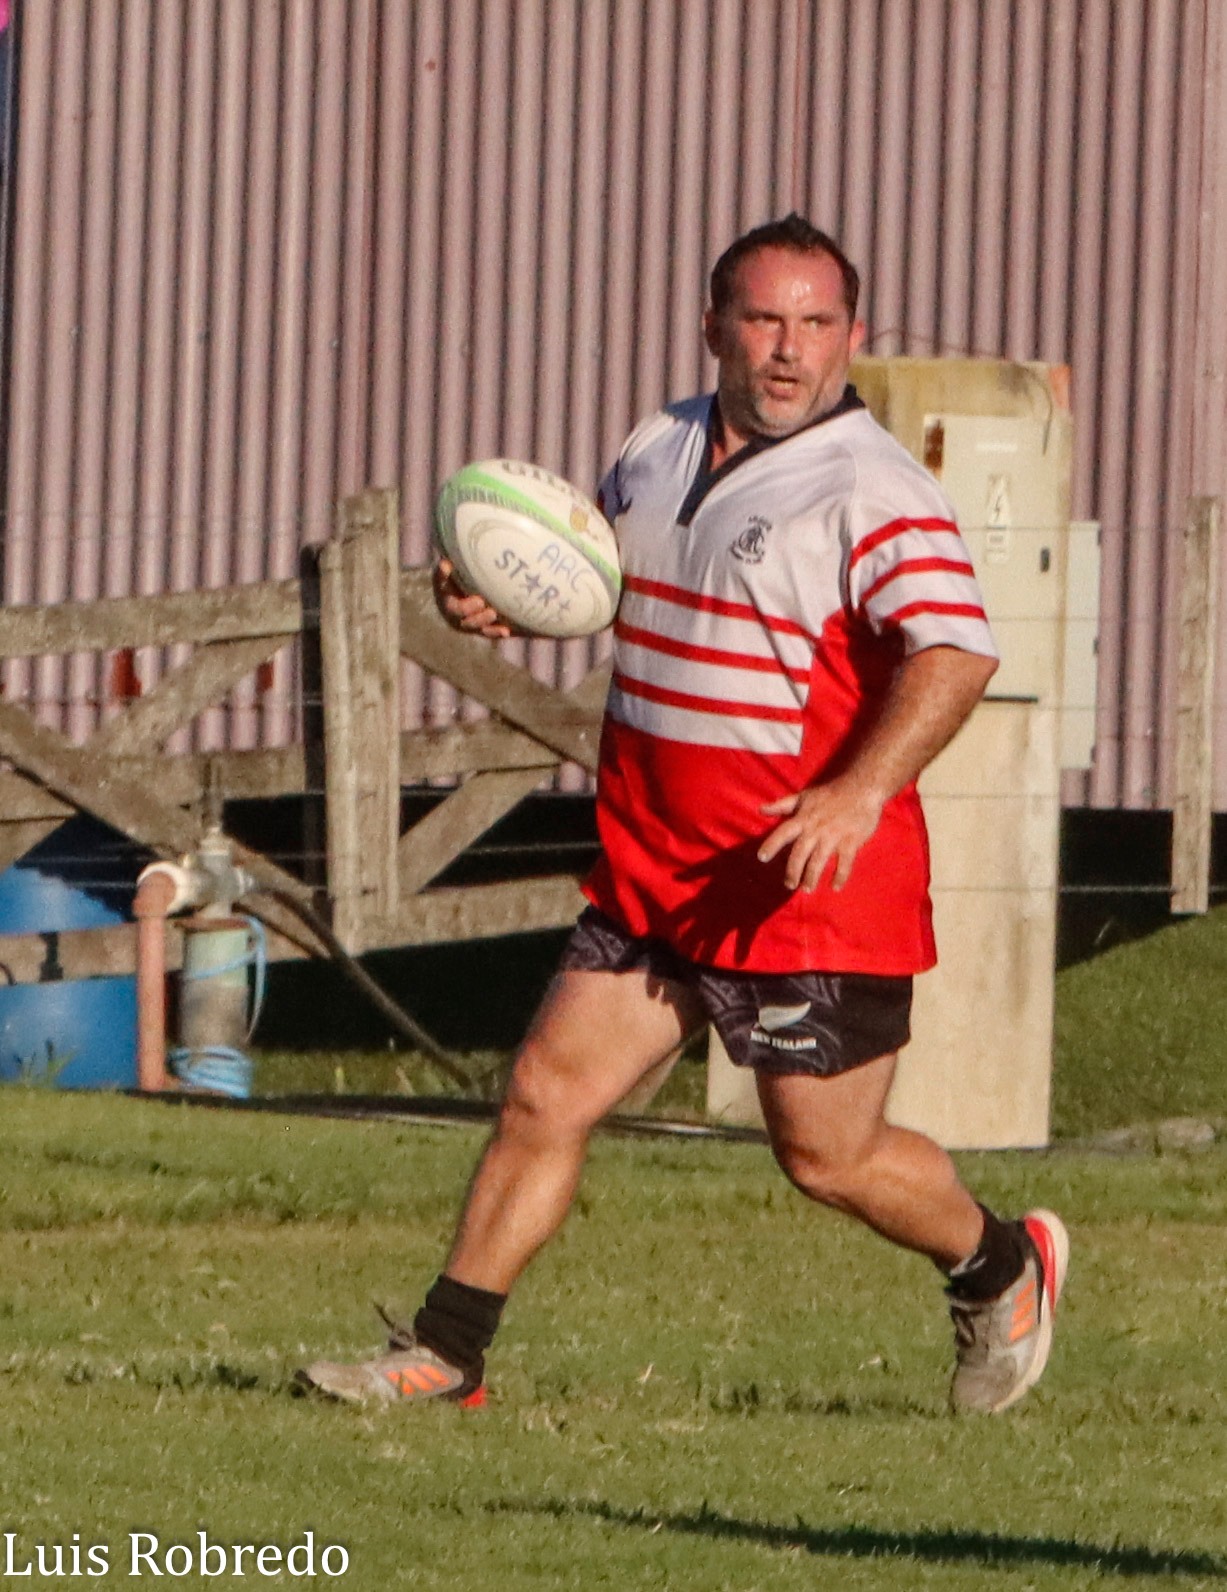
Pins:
<point x="399" y="1018"/>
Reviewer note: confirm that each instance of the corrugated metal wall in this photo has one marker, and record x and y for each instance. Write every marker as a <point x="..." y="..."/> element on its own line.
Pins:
<point x="267" y="251"/>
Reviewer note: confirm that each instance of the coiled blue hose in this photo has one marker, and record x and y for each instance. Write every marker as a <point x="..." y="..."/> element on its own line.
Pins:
<point x="221" y="1068"/>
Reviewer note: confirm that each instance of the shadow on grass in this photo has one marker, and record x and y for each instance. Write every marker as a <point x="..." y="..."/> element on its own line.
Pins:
<point x="204" y="1375"/>
<point x="930" y="1547"/>
<point x="750" y="1398"/>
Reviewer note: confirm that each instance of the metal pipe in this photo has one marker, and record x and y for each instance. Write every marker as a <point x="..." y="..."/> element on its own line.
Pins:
<point x="154" y="895"/>
<point x="161" y="889"/>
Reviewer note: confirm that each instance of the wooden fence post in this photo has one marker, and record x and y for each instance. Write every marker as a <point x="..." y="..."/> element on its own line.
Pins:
<point x="360" y="658"/>
<point x="1194" y="804"/>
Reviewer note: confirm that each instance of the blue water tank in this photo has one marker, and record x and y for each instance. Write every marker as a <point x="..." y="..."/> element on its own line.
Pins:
<point x="73" y="1033"/>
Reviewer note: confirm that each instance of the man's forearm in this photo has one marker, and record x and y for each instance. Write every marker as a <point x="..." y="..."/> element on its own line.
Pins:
<point x="828" y="823"/>
<point x="931" y="695"/>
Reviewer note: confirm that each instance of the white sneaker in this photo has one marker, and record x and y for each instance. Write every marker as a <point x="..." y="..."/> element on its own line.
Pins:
<point x="404" y="1375"/>
<point x="1002" y="1345"/>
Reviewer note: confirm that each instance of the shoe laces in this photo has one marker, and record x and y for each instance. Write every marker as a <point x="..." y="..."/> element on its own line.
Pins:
<point x="399" y="1335"/>
<point x="963" y="1315"/>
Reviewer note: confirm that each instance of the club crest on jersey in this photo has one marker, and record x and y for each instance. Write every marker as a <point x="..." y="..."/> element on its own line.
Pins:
<point x="751" y="546"/>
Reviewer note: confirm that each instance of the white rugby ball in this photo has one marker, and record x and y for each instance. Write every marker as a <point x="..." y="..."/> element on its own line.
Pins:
<point x="534" y="547"/>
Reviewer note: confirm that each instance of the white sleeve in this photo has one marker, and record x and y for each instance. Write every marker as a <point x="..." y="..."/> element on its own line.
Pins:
<point x="611" y="497"/>
<point x="909" y="570"/>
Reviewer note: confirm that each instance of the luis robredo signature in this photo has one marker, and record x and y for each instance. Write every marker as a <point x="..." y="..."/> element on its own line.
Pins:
<point x="143" y="1553"/>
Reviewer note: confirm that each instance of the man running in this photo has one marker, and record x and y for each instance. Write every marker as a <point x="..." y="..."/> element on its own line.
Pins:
<point x="800" y="633"/>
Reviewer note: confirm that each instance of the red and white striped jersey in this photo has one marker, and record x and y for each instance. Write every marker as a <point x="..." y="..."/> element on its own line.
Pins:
<point x="764" y="611"/>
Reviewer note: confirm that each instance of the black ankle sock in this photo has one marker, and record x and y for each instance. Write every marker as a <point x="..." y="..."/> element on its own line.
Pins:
<point x="459" y="1323"/>
<point x="996" y="1263"/>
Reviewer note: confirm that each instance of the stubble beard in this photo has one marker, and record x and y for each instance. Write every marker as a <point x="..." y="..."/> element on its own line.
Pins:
<point x="756" y="417"/>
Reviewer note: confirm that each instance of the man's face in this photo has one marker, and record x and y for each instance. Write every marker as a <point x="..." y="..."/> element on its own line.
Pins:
<point x="784" y="343"/>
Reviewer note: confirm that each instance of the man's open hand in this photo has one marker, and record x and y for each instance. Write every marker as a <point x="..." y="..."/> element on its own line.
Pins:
<point x="465" y="610"/>
<point x="824" y="825"/>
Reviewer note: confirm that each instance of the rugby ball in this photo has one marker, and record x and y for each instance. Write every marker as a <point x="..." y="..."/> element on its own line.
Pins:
<point x="534" y="547"/>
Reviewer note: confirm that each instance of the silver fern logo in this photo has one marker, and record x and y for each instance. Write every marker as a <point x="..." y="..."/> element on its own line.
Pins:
<point x="773" y="1018"/>
<point x="751" y="546"/>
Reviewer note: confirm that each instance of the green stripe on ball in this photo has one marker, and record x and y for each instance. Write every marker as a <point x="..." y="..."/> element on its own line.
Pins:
<point x="498" y="492"/>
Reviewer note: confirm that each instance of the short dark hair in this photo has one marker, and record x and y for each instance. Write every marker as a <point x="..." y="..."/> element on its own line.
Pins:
<point x="792" y="232"/>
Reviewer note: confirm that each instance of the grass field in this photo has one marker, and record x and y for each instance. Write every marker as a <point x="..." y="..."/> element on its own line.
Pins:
<point x="704" y="1384"/>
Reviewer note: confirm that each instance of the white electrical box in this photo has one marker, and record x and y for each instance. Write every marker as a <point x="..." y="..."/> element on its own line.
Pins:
<point x="1007" y="477"/>
<point x="998" y="435"/>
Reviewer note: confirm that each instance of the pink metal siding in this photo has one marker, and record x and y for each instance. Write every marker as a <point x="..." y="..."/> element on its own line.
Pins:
<point x="268" y="251"/>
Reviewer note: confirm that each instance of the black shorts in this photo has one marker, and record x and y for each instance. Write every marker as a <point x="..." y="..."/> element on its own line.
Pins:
<point x="815" y="1023"/>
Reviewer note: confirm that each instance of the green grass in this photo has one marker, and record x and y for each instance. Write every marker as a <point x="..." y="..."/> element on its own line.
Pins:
<point x="1139" y="1031"/>
<point x="406" y="1074"/>
<point x="703" y="1384"/>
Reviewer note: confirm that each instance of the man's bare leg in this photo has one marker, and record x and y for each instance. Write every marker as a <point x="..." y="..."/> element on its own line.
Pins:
<point x="596" y="1035"/>
<point x="833" y="1142"/>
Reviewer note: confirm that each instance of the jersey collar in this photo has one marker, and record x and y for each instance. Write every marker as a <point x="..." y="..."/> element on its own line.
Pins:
<point x="706" y="478"/>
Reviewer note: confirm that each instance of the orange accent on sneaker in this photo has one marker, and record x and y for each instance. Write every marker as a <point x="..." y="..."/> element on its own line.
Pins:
<point x="475" y="1400"/>
<point x="424" y="1378"/>
<point x="408" y="1380"/>
<point x="1025" y="1315"/>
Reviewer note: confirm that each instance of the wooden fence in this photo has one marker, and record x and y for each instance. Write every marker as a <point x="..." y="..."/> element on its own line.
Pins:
<point x="358" y="617"/>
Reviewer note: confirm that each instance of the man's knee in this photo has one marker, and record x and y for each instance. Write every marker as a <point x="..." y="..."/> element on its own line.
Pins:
<point x="829" y="1175"/>
<point x="827" y="1133"/>
<point x="545" y="1097"/>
